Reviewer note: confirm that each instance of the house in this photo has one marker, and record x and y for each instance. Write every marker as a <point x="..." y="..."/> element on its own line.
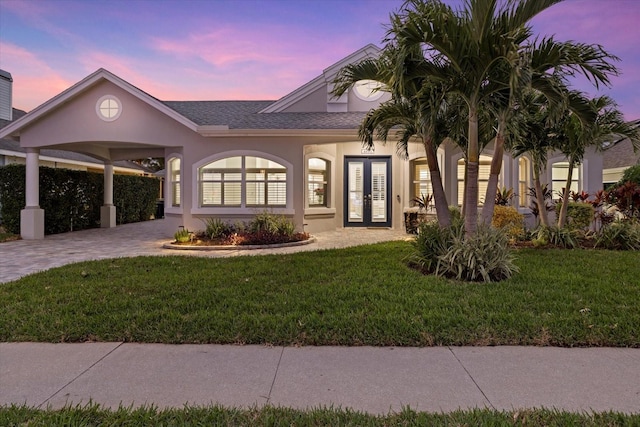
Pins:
<point x="617" y="157"/>
<point x="299" y="156"/>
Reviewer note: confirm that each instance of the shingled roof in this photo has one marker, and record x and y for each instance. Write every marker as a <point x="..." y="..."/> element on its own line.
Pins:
<point x="246" y="115"/>
<point x="621" y="154"/>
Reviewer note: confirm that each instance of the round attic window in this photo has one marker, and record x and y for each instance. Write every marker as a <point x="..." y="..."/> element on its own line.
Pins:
<point x="108" y="108"/>
<point x="368" y="90"/>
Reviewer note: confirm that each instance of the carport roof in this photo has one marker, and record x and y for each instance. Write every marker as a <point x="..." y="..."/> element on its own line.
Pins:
<point x="247" y="115"/>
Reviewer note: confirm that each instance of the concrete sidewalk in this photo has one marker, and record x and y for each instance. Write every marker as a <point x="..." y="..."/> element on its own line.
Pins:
<point x="373" y="380"/>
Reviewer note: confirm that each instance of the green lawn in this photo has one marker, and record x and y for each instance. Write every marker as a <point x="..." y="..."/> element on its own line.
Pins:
<point x="269" y="416"/>
<point x="357" y="296"/>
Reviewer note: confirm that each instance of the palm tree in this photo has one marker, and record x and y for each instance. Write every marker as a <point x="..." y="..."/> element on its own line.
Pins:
<point x="545" y="67"/>
<point x="483" y="53"/>
<point x="534" y="136"/>
<point x="416" y="109"/>
<point x="576" y="135"/>
<point x="470" y="49"/>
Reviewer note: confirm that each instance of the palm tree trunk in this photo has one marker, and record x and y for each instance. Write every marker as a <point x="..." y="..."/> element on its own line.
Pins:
<point x="542" y="204"/>
<point x="471" y="191"/>
<point x="562" y="216"/>
<point x="439" y="196"/>
<point x="492" y="185"/>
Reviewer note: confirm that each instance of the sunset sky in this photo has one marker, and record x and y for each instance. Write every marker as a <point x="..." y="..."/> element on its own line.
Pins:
<point x="247" y="49"/>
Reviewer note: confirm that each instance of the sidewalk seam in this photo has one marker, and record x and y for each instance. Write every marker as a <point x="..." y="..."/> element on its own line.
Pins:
<point x="472" y="379"/>
<point x="275" y="375"/>
<point x="79" y="375"/>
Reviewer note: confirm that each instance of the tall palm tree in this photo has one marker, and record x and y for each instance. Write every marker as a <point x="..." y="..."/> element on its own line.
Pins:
<point x="545" y="67"/>
<point x="484" y="53"/>
<point x="534" y="135"/>
<point x="468" y="48"/>
<point x="417" y="109"/>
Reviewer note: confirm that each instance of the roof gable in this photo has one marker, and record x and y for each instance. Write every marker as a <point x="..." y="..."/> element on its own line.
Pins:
<point x="324" y="80"/>
<point x="13" y="129"/>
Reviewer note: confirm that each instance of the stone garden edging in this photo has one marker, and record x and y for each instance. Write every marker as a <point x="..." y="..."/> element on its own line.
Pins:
<point x="170" y="245"/>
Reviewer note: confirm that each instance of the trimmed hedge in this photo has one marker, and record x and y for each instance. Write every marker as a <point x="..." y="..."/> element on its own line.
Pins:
<point x="72" y="199"/>
<point x="580" y="215"/>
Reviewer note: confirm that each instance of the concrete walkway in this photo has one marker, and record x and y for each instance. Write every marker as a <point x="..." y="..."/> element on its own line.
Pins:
<point x="373" y="380"/>
<point x="22" y="257"/>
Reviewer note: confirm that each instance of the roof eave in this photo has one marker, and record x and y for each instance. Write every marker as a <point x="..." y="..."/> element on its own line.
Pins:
<point x="207" y="131"/>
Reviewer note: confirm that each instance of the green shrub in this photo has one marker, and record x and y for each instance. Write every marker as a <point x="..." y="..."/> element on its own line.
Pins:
<point x="510" y="220"/>
<point x="619" y="235"/>
<point x="215" y="228"/>
<point x="431" y="243"/>
<point x="285" y="226"/>
<point x="72" y="199"/>
<point x="182" y="235"/>
<point x="264" y="222"/>
<point x="485" y="256"/>
<point x="554" y="235"/>
<point x="482" y="257"/>
<point x="580" y="215"/>
<point x="632" y="174"/>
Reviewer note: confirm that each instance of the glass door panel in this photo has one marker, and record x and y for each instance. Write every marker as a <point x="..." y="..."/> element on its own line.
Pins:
<point x="378" y="191"/>
<point x="356" y="192"/>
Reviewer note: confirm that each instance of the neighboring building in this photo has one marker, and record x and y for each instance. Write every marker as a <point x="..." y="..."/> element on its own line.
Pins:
<point x="618" y="156"/>
<point x="299" y="156"/>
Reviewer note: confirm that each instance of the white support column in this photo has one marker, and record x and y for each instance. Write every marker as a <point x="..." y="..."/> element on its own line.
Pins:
<point x="32" y="217"/>
<point x="108" y="210"/>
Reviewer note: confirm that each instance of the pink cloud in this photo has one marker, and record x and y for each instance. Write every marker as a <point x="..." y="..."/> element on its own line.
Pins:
<point x="34" y="81"/>
<point x="39" y="14"/>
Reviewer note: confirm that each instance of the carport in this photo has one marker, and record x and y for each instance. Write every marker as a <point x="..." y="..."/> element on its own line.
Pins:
<point x="101" y="116"/>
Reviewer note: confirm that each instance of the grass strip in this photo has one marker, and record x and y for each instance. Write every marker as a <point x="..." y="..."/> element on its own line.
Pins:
<point x="94" y="415"/>
<point x="363" y="295"/>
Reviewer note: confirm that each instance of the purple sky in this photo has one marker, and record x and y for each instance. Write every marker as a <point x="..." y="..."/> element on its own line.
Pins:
<point x="247" y="49"/>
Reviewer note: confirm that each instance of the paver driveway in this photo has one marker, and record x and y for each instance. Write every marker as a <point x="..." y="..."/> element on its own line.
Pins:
<point x="22" y="257"/>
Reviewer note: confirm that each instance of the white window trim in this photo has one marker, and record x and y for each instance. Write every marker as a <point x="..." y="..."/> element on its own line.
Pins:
<point x="99" y="113"/>
<point x="168" y="188"/>
<point x="245" y="210"/>
<point x="330" y="208"/>
<point x="564" y="159"/>
<point x="456" y="159"/>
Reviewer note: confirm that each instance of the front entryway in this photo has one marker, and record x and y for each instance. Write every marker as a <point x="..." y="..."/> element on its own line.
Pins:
<point x="367" y="191"/>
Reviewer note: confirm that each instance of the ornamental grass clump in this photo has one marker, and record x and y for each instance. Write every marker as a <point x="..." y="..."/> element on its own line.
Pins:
<point x="619" y="235"/>
<point x="482" y="257"/>
<point x="557" y="236"/>
<point x="216" y="228"/>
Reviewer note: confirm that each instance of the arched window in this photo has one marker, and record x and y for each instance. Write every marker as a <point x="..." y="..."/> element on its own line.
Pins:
<point x="483" y="179"/>
<point x="318" y="171"/>
<point x="243" y="181"/>
<point x="174" y="181"/>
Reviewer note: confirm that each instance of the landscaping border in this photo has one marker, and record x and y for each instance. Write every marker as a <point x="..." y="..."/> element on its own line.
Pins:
<point x="170" y="245"/>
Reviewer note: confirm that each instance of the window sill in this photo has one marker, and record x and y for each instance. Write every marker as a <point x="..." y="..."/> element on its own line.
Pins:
<point x="320" y="211"/>
<point x="173" y="210"/>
